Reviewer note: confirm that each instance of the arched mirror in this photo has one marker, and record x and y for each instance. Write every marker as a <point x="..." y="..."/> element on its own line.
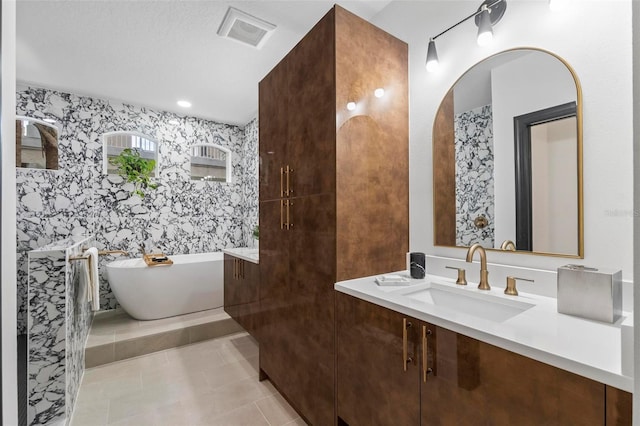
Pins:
<point x="36" y="144"/>
<point x="210" y="162"/>
<point x="507" y="157"/>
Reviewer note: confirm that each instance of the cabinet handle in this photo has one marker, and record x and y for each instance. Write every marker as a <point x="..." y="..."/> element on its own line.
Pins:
<point x="289" y="189"/>
<point x="425" y="350"/>
<point x="242" y="268"/>
<point x="235" y="268"/>
<point x="405" y="355"/>
<point x="289" y="204"/>
<point x="281" y="182"/>
<point x="281" y="214"/>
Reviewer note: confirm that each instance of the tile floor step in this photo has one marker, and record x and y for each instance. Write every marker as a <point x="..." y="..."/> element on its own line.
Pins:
<point x="115" y="336"/>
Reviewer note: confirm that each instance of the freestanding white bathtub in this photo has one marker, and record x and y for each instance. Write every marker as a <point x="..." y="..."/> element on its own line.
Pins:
<point x="194" y="282"/>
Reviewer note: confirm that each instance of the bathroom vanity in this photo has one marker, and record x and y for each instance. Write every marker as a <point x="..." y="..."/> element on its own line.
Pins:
<point x="241" y="287"/>
<point x="437" y="353"/>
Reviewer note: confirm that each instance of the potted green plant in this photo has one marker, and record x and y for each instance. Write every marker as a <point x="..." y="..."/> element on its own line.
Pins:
<point x="256" y="233"/>
<point x="135" y="169"/>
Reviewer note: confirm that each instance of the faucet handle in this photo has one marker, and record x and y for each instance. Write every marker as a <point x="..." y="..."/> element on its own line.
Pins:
<point x="511" y="285"/>
<point x="462" y="276"/>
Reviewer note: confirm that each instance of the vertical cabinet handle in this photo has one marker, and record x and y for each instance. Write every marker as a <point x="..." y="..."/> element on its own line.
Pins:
<point x="405" y="350"/>
<point x="289" y="224"/>
<point x="281" y="182"/>
<point x="235" y="268"/>
<point x="425" y="351"/>
<point x="242" y="268"/>
<point x="289" y="189"/>
<point x="282" y="214"/>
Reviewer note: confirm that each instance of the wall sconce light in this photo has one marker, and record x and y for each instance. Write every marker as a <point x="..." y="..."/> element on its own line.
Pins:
<point x="487" y="15"/>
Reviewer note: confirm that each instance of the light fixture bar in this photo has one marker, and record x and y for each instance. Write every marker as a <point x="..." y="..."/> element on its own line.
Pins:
<point x="473" y="15"/>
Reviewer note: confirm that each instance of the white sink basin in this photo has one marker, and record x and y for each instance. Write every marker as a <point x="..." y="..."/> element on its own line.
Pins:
<point x="486" y="306"/>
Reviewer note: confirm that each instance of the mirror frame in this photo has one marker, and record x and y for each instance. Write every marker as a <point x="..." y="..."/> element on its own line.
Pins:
<point x="439" y="218"/>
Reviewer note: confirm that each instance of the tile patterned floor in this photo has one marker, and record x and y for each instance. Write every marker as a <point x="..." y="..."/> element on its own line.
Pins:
<point x="208" y="383"/>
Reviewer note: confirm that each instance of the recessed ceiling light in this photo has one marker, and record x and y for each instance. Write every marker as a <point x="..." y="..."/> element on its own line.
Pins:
<point x="351" y="106"/>
<point x="379" y="92"/>
<point x="184" y="104"/>
<point x="49" y="120"/>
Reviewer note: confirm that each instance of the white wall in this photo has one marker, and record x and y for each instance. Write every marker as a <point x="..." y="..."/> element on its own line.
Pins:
<point x="8" y="267"/>
<point x="553" y="180"/>
<point x="530" y="83"/>
<point x="602" y="61"/>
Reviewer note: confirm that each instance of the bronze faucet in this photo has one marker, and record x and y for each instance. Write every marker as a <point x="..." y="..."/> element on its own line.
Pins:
<point x="484" y="273"/>
<point x="508" y="245"/>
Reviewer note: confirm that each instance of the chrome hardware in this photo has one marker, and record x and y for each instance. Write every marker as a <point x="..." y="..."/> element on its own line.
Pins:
<point x="462" y="275"/>
<point x="484" y="273"/>
<point x="511" y="285"/>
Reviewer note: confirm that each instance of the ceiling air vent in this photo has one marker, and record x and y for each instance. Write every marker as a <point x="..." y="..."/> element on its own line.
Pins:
<point x="245" y="28"/>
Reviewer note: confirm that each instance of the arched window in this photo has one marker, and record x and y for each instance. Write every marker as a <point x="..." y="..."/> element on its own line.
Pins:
<point x="210" y="162"/>
<point x="115" y="142"/>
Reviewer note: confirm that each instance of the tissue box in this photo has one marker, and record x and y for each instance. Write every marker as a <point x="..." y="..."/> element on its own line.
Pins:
<point x="590" y="292"/>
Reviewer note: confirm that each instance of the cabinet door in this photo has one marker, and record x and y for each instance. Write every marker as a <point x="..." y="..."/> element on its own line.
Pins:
<point x="312" y="112"/>
<point x="480" y="384"/>
<point x="249" y="310"/>
<point x="373" y="386"/>
<point x="230" y="286"/>
<point x="619" y="407"/>
<point x="273" y="118"/>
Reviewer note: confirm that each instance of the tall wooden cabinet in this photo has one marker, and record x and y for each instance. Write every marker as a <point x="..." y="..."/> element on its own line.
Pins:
<point x="333" y="194"/>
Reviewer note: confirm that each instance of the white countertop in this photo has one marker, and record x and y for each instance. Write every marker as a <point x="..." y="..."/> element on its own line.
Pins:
<point x="589" y="348"/>
<point x="246" y="253"/>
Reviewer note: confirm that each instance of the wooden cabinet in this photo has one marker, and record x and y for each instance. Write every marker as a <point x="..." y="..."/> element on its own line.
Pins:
<point x="333" y="194"/>
<point x="241" y="292"/>
<point x="468" y="382"/>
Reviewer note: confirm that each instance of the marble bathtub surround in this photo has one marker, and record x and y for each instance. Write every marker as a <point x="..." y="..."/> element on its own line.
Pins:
<point x="474" y="176"/>
<point x="181" y="217"/>
<point x="59" y="318"/>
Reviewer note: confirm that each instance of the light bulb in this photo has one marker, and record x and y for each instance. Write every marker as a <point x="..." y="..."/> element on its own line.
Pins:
<point x="351" y="106"/>
<point x="485" y="38"/>
<point x="432" y="57"/>
<point x="379" y="92"/>
<point x="485" y="32"/>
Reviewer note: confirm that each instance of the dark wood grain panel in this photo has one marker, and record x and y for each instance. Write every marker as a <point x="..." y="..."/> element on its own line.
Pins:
<point x="311" y="102"/>
<point x="273" y="118"/>
<point x="372" y="387"/>
<point x="372" y="149"/>
<point x="477" y="383"/>
<point x="444" y="174"/>
<point x="619" y="407"/>
<point x="298" y="266"/>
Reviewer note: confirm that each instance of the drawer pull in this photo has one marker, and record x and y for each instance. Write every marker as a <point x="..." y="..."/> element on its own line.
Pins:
<point x="405" y="350"/>
<point x="425" y="351"/>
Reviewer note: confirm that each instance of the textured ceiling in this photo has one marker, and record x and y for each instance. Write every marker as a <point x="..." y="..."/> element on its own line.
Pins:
<point x="153" y="53"/>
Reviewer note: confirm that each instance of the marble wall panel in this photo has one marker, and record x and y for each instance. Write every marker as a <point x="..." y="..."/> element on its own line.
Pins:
<point x="474" y="176"/>
<point x="180" y="217"/>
